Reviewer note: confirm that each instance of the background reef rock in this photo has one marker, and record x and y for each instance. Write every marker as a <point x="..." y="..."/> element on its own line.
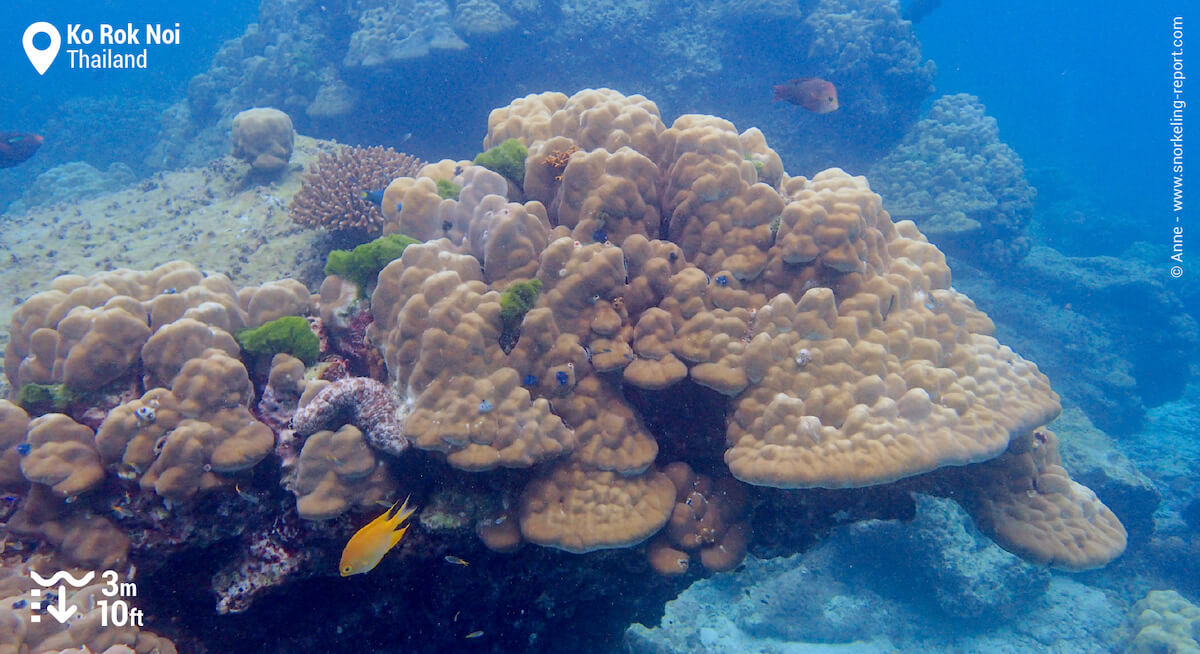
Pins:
<point x="964" y="187"/>
<point x="1111" y="335"/>
<point x="814" y="602"/>
<point x="421" y="67"/>
<point x="72" y="182"/>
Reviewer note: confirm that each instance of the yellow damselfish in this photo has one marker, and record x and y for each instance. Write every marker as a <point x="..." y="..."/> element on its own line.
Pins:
<point x="368" y="545"/>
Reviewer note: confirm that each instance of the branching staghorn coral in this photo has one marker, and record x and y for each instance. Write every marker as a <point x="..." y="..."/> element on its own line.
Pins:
<point x="334" y="193"/>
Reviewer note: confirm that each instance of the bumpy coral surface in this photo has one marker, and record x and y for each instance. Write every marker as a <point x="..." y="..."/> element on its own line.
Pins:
<point x="965" y="188"/>
<point x="1164" y="621"/>
<point x="847" y="357"/>
<point x="821" y="342"/>
<point x="263" y="137"/>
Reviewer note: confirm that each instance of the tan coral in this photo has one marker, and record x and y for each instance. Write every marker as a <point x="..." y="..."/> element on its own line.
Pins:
<point x="526" y="119"/>
<point x="838" y="408"/>
<point x="509" y="236"/>
<point x="708" y="520"/>
<point x="610" y="435"/>
<point x="89" y="331"/>
<point x="193" y="437"/>
<point x="412" y="205"/>
<point x="81" y="538"/>
<point x="608" y="196"/>
<point x="656" y="367"/>
<point x="715" y="208"/>
<point x="62" y="455"/>
<point x="90" y="628"/>
<point x="581" y="510"/>
<point x="286" y="377"/>
<point x="14" y="423"/>
<point x="1029" y="504"/>
<point x="263" y="137"/>
<point x="545" y="165"/>
<point x="211" y="382"/>
<point x="272" y="300"/>
<point x="164" y="353"/>
<point x="198" y="455"/>
<point x="338" y="471"/>
<point x="500" y="534"/>
<point x="1163" y="621"/>
<point x="131" y="432"/>
<point x="604" y="118"/>
<point x="485" y="422"/>
<point x="848" y="358"/>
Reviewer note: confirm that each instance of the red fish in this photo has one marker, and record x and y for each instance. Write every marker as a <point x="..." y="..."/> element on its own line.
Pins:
<point x="16" y="147"/>
<point x="812" y="93"/>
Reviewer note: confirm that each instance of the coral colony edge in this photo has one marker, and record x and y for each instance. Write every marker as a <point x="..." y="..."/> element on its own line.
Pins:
<point x="610" y="356"/>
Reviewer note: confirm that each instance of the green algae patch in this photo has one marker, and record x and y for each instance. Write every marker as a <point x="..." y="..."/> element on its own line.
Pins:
<point x="448" y="190"/>
<point x="362" y="264"/>
<point x="515" y="302"/>
<point x="289" y="334"/>
<point x="508" y="159"/>
<point x="38" y="399"/>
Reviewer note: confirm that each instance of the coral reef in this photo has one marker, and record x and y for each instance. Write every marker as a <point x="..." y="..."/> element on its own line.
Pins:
<point x="873" y="57"/>
<point x="1112" y="335"/>
<point x="816" y="347"/>
<point x="324" y="65"/>
<point x="334" y="194"/>
<point x="362" y="264"/>
<point x="963" y="187"/>
<point x="286" y="335"/>
<point x="1164" y="621"/>
<point x="507" y="158"/>
<point x="824" y="601"/>
<point x="263" y="137"/>
<point x="89" y="630"/>
<point x="72" y="182"/>
<point x="706" y="296"/>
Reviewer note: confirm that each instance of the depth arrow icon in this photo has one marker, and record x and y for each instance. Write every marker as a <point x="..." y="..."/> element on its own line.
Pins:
<point x="62" y="612"/>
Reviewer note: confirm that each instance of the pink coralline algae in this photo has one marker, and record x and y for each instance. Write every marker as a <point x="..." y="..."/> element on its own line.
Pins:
<point x="368" y="404"/>
<point x="270" y="558"/>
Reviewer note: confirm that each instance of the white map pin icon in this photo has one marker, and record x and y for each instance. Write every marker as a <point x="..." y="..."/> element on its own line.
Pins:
<point x="41" y="59"/>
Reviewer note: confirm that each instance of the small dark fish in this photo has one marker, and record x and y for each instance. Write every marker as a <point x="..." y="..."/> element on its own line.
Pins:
<point x="562" y="378"/>
<point x="812" y="93"/>
<point x="20" y="604"/>
<point x="24" y="449"/>
<point x="16" y="147"/>
<point x="450" y="558"/>
<point x="600" y="236"/>
<point x="374" y="197"/>
<point x="531" y="380"/>
<point x="722" y="280"/>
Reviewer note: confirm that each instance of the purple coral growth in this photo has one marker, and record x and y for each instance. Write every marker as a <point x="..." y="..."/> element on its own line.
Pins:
<point x="370" y="405"/>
